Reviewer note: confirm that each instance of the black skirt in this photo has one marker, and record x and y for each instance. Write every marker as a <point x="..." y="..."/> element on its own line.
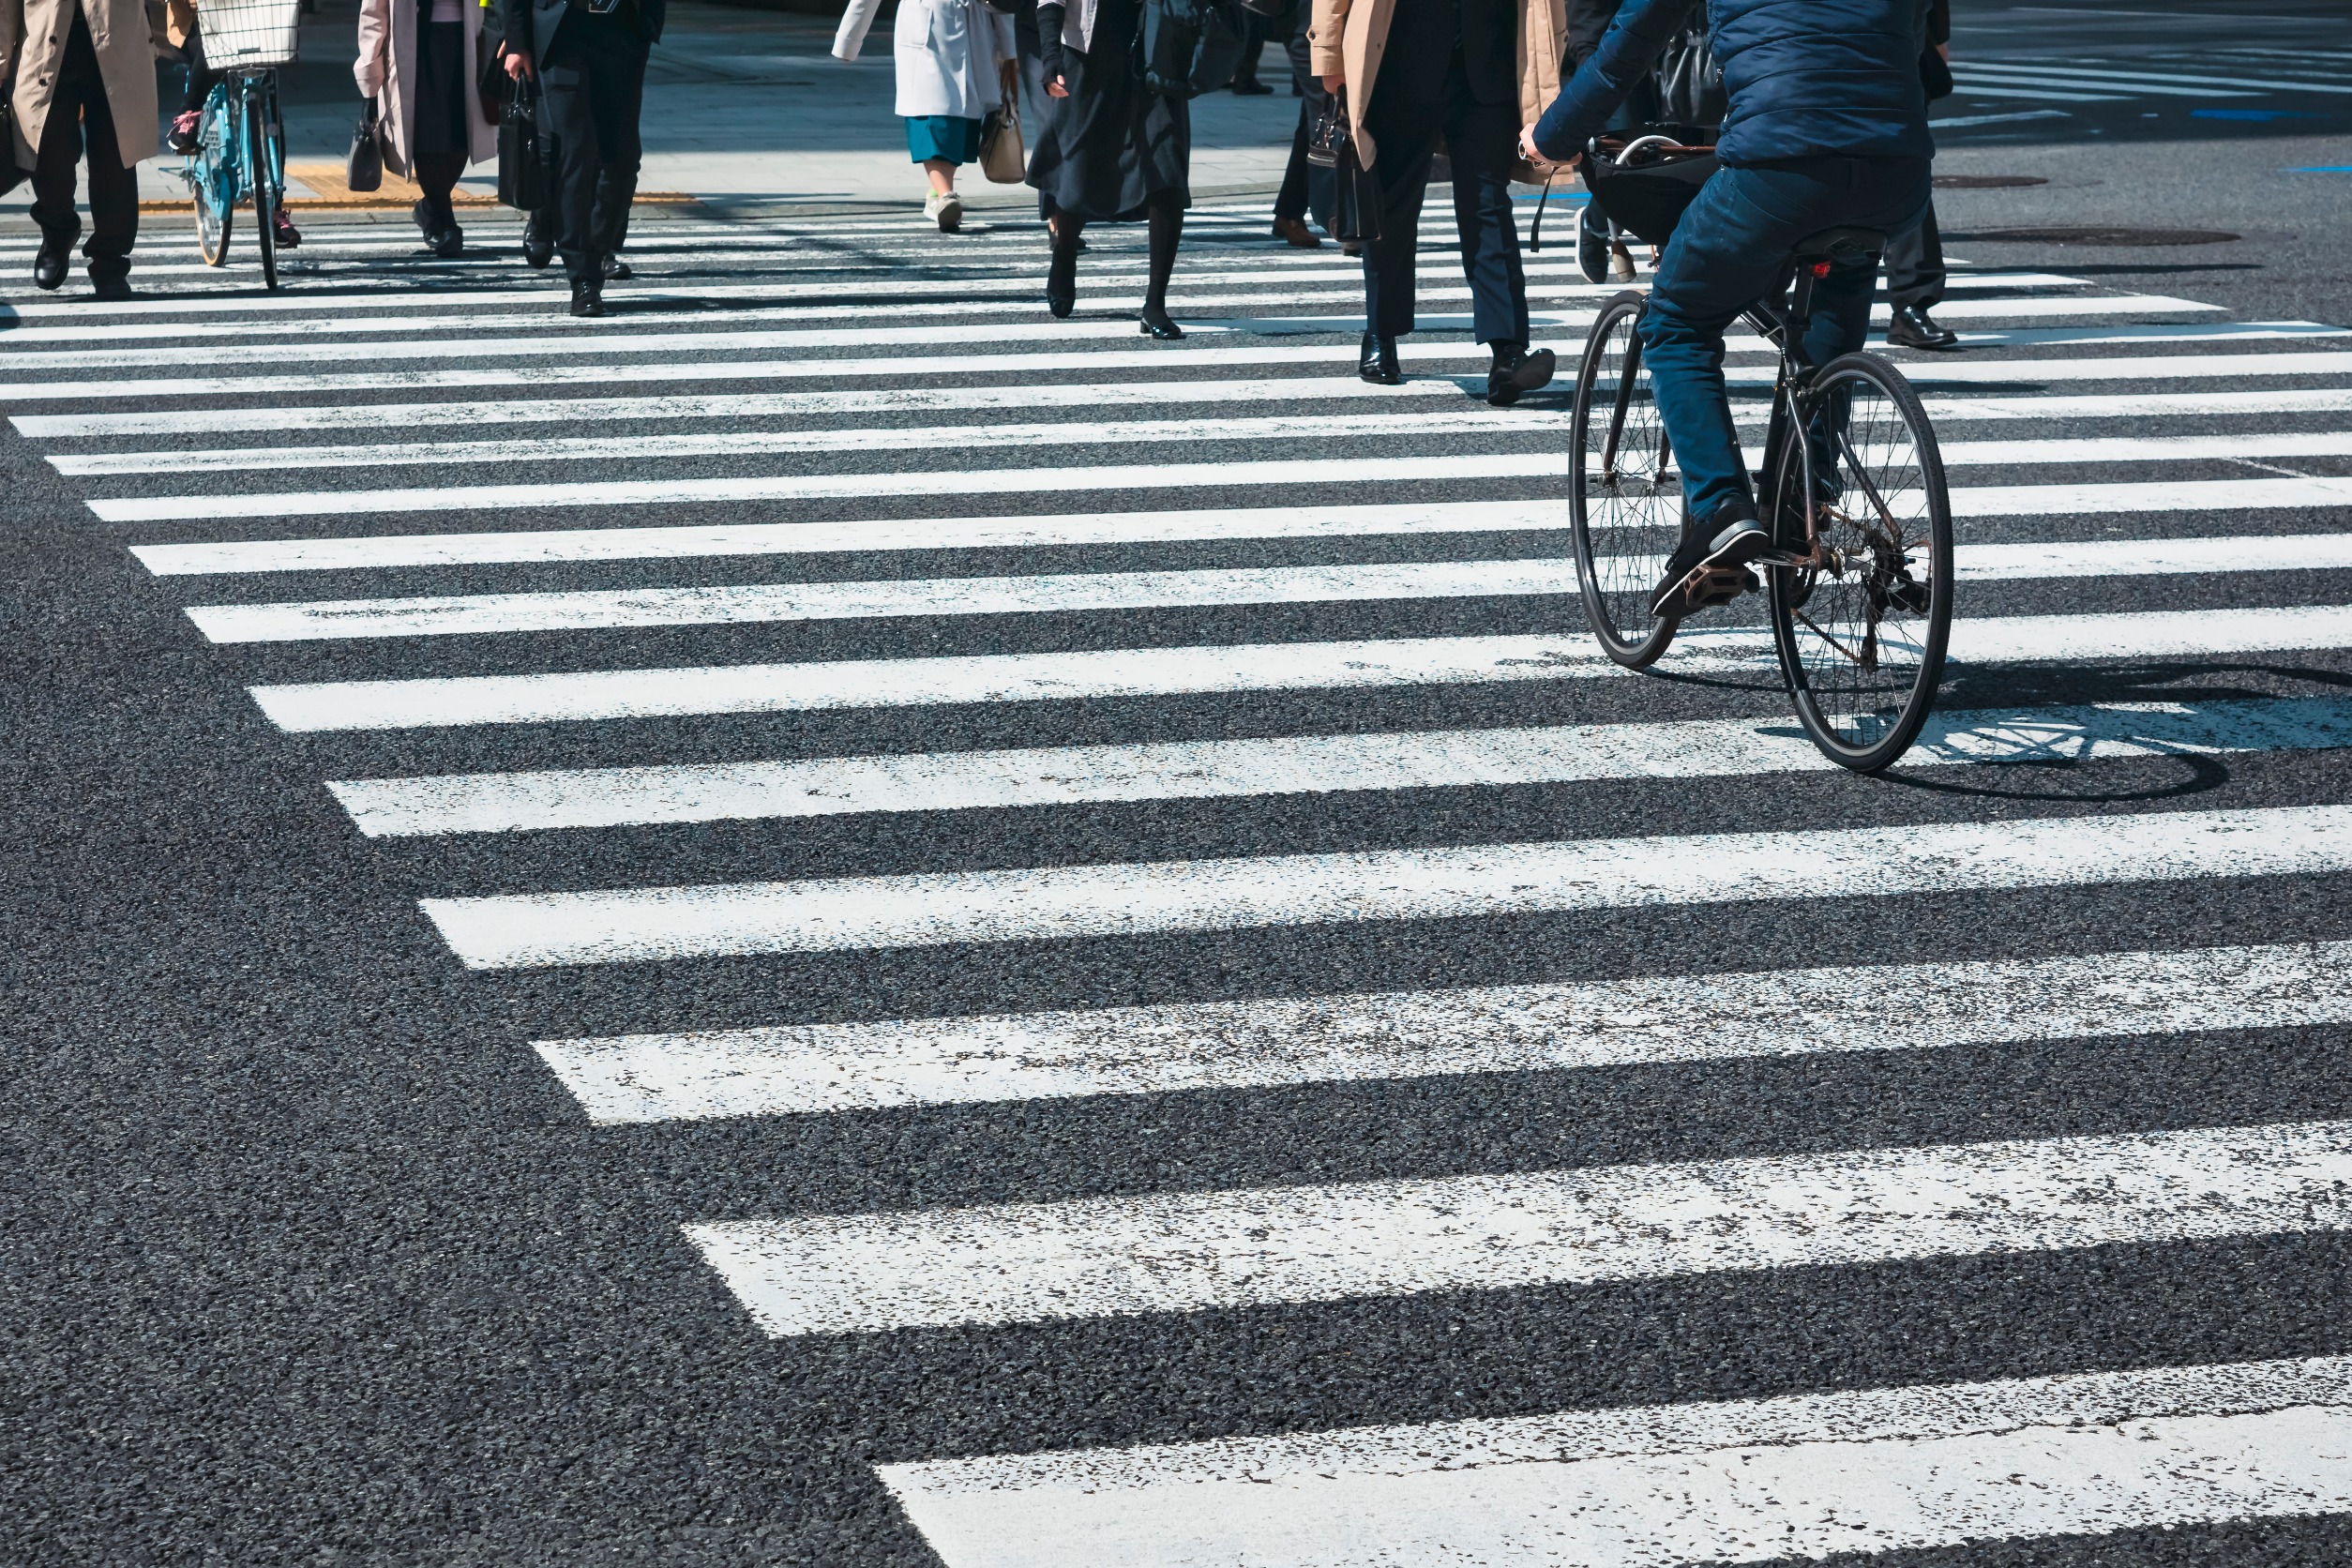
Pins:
<point x="442" y="89"/>
<point x="1110" y="147"/>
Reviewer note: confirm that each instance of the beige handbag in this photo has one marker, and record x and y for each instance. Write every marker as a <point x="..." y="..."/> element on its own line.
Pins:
<point x="1001" y="157"/>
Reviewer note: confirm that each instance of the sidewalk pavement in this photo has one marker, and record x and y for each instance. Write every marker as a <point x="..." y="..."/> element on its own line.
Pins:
<point x="747" y="114"/>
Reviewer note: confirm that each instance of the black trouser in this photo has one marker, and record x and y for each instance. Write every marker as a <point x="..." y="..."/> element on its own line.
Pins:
<point x="77" y="113"/>
<point x="1915" y="265"/>
<point x="594" y="77"/>
<point x="1480" y="139"/>
<point x="1305" y="188"/>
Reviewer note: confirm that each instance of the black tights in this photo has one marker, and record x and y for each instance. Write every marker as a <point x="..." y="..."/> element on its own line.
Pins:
<point x="1164" y="211"/>
<point x="437" y="176"/>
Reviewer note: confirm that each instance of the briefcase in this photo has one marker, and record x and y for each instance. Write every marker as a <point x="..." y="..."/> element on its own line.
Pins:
<point x="526" y="151"/>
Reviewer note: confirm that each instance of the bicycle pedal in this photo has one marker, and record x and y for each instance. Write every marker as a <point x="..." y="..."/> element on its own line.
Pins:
<point x="1708" y="586"/>
<point x="1781" y="558"/>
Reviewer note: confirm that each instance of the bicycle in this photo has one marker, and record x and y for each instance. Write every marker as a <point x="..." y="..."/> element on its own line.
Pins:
<point x="240" y="150"/>
<point x="1860" y="583"/>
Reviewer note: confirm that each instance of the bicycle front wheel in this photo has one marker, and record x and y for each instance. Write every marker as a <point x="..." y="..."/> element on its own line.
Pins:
<point x="1862" y="625"/>
<point x="1623" y="494"/>
<point x="261" y="164"/>
<point x="214" y="184"/>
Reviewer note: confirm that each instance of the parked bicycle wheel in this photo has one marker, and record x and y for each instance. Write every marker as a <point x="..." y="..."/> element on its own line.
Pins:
<point x="261" y="165"/>
<point x="1624" y="495"/>
<point x="214" y="182"/>
<point x="1861" y="627"/>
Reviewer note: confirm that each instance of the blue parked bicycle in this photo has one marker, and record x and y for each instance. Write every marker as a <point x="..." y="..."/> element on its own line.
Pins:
<point x="240" y="153"/>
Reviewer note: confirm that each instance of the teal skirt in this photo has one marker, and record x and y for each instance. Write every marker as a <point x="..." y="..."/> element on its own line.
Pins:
<point x="943" y="136"/>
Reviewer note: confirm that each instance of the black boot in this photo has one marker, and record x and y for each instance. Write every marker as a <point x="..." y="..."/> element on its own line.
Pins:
<point x="1061" y="279"/>
<point x="1375" y="360"/>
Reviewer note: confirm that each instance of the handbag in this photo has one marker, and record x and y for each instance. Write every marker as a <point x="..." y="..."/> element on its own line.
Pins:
<point x="526" y="152"/>
<point x="1185" y="48"/>
<point x="1690" y="81"/>
<point x="1355" y="217"/>
<point x="490" y="75"/>
<point x="1003" y="158"/>
<point x="364" y="170"/>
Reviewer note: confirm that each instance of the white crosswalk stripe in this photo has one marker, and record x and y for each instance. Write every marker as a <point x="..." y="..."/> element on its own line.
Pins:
<point x="965" y="643"/>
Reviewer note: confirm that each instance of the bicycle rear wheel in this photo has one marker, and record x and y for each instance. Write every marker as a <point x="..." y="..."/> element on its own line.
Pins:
<point x="1862" y="626"/>
<point x="1624" y="495"/>
<point x="260" y="165"/>
<point x="214" y="183"/>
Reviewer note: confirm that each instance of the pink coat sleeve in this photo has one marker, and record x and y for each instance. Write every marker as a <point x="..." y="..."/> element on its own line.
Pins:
<point x="376" y="20"/>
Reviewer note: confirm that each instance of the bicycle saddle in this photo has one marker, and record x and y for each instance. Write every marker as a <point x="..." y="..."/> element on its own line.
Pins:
<point x="1840" y="242"/>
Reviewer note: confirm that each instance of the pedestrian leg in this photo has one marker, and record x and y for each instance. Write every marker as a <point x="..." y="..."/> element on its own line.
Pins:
<point x="1165" y="211"/>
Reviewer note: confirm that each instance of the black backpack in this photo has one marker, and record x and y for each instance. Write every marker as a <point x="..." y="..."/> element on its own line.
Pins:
<point x="1690" y="83"/>
<point x="1185" y="48"/>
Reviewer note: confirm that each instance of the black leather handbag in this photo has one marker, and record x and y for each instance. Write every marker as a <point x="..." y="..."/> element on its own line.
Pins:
<point x="526" y="150"/>
<point x="364" y="169"/>
<point x="1355" y="217"/>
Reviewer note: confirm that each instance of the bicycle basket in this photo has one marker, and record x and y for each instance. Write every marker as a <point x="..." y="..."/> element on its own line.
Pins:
<point x="1646" y="194"/>
<point x="250" y="34"/>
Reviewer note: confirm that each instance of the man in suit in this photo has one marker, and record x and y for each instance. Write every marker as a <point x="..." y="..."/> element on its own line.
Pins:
<point x="1915" y="258"/>
<point x="589" y="57"/>
<point x="1466" y="72"/>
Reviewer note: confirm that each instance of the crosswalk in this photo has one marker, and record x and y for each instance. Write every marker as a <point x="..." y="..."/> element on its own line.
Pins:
<point x="1166" y="795"/>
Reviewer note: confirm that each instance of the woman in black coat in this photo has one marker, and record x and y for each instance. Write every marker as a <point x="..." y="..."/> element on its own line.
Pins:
<point x="1112" y="151"/>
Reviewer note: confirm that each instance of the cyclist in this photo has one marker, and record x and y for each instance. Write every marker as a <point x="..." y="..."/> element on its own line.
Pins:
<point x="1827" y="128"/>
<point x="187" y="126"/>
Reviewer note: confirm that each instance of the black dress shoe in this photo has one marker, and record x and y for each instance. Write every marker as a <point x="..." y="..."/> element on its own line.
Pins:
<point x="587" y="296"/>
<point x="451" y="243"/>
<point x="1375" y="360"/>
<point x="1517" y="369"/>
<point x="1912" y="327"/>
<point x="1160" y="324"/>
<point x="109" y="286"/>
<point x="539" y="247"/>
<point x="1062" y="280"/>
<point x="617" y="270"/>
<point x="48" y="266"/>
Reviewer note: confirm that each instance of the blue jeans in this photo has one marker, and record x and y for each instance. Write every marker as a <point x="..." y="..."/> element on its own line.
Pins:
<point x="1731" y="249"/>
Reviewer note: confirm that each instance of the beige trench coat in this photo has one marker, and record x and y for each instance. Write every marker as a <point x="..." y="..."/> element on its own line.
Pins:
<point x="127" y="34"/>
<point x="387" y="71"/>
<point x="1346" y="38"/>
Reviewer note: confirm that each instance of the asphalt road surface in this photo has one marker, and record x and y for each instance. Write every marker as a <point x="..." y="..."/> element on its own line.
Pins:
<point x="829" y="922"/>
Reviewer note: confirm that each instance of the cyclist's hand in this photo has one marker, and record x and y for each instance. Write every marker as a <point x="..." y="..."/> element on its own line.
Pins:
<point x="1534" y="156"/>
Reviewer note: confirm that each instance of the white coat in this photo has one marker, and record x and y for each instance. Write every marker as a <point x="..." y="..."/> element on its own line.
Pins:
<point x="950" y="53"/>
<point x="387" y="71"/>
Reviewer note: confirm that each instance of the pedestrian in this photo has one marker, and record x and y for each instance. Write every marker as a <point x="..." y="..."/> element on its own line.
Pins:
<point x="416" y="66"/>
<point x="1305" y="188"/>
<point x="589" y="60"/>
<point x="1915" y="258"/>
<point x="1257" y="27"/>
<point x="1110" y="149"/>
<point x="81" y="68"/>
<point x="1415" y="71"/>
<point x="956" y="61"/>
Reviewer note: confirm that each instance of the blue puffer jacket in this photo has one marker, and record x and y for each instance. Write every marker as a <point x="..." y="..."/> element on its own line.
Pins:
<point x="1805" y="77"/>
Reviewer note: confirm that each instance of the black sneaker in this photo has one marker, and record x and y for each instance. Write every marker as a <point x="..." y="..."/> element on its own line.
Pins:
<point x="1710" y="565"/>
<point x="1593" y="245"/>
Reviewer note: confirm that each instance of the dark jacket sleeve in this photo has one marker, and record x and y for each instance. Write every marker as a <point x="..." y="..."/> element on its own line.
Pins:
<point x="1938" y="22"/>
<point x="1627" y="52"/>
<point x="1586" y="20"/>
<point x="516" y="15"/>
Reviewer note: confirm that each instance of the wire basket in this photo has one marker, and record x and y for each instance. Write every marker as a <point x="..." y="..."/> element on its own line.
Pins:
<point x="249" y="34"/>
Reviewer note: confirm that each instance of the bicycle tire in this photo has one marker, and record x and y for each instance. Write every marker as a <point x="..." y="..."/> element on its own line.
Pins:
<point x="214" y="183"/>
<point x="1881" y="578"/>
<point x="264" y="198"/>
<point x="1626" y="517"/>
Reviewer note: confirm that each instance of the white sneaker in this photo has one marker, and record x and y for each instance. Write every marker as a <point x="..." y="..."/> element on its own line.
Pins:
<point x="946" y="209"/>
